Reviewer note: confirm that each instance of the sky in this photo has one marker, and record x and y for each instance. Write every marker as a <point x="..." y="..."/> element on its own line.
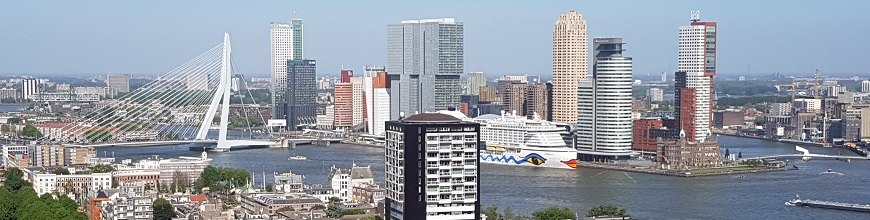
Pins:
<point x="501" y="37"/>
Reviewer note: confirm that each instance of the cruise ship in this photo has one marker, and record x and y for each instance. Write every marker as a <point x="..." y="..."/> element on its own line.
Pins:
<point x="515" y="140"/>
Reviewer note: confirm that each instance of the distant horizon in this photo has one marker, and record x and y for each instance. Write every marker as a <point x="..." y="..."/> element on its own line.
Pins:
<point x="511" y="37"/>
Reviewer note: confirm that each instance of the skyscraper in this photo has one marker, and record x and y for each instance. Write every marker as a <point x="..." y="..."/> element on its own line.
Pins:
<point x="425" y="59"/>
<point x="570" y="64"/>
<point x="380" y="103"/>
<point x="697" y="61"/>
<point x="426" y="180"/>
<point x="301" y="94"/>
<point x="119" y="82"/>
<point x="29" y="87"/>
<point x="475" y="81"/>
<point x="373" y="98"/>
<point x="604" y="110"/>
<point x="286" y="44"/>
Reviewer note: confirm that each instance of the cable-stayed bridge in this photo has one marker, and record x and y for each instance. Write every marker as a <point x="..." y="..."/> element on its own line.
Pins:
<point x="178" y="107"/>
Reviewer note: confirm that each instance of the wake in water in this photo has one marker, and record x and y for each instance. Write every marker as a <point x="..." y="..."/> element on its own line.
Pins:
<point x="831" y="173"/>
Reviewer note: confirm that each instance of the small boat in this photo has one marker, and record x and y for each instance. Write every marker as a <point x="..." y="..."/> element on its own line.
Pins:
<point x="297" y="158"/>
<point x="795" y="167"/>
<point x="831" y="172"/>
<point x="794" y="202"/>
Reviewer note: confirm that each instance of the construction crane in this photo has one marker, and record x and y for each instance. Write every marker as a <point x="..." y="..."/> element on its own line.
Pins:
<point x="818" y="76"/>
<point x="809" y="85"/>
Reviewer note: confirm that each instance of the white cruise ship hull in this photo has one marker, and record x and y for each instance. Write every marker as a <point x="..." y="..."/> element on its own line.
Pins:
<point x="565" y="158"/>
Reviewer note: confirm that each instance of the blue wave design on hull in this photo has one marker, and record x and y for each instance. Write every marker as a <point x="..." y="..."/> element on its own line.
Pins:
<point x="509" y="159"/>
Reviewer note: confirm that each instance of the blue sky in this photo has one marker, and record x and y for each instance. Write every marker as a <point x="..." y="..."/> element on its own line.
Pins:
<point x="502" y="37"/>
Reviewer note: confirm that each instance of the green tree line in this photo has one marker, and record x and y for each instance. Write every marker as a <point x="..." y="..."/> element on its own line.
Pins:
<point x="18" y="201"/>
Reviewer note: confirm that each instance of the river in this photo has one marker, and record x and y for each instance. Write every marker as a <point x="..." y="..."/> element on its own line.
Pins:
<point x="645" y="196"/>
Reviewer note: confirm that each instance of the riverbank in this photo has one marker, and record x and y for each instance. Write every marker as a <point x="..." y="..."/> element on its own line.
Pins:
<point x="681" y="173"/>
<point x="361" y="144"/>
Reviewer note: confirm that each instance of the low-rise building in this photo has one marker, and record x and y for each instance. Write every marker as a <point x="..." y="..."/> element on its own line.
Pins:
<point x="44" y="181"/>
<point x="320" y="192"/>
<point x="368" y="193"/>
<point x="128" y="207"/>
<point x="343" y="180"/>
<point x="269" y="204"/>
<point x="137" y="181"/>
<point x="289" y="182"/>
<point x="683" y="153"/>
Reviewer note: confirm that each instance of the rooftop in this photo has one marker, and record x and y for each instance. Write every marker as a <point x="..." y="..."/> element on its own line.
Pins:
<point x="431" y="118"/>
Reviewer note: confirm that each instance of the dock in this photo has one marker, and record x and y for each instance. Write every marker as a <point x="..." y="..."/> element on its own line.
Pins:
<point x="830" y="205"/>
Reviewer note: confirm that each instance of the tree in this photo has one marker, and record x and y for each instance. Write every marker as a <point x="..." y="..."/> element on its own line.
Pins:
<point x="14" y="181"/>
<point x="334" y="200"/>
<point x="740" y="154"/>
<point x="31" y="132"/>
<point x="491" y="213"/>
<point x="554" y="213"/>
<point x="103" y="168"/>
<point x="13" y="120"/>
<point x="727" y="153"/>
<point x="607" y="210"/>
<point x="269" y="187"/>
<point x="5" y="128"/>
<point x="60" y="171"/>
<point x="163" y="209"/>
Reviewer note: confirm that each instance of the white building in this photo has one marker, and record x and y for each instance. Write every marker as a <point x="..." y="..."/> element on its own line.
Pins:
<point x="865" y="86"/>
<point x="29" y="87"/>
<point x="343" y="180"/>
<point x="697" y="58"/>
<point x="446" y="151"/>
<point x="286" y="44"/>
<point x="808" y="105"/>
<point x="327" y="120"/>
<point x="369" y="74"/>
<point x="45" y="182"/>
<point x="475" y="81"/>
<point x="607" y="131"/>
<point x="358" y="104"/>
<point x="8" y="93"/>
<point x="129" y="207"/>
<point x="656" y="94"/>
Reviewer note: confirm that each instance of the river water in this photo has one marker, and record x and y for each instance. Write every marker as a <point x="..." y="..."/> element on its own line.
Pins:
<point x="525" y="189"/>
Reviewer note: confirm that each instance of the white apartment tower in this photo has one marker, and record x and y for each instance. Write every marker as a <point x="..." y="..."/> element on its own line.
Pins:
<point x="376" y="86"/>
<point x="286" y="44"/>
<point x="475" y="81"/>
<point x="29" y="87"/>
<point x="570" y="64"/>
<point x="697" y="59"/>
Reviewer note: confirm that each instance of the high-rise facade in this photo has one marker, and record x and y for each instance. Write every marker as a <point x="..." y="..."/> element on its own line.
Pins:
<point x="426" y="59"/>
<point x="656" y="94"/>
<point x="286" y="44"/>
<point x="432" y="168"/>
<point x="570" y="64"/>
<point x="369" y="74"/>
<point x="119" y="82"/>
<point x="697" y="60"/>
<point x="380" y="103"/>
<point x="29" y="87"/>
<point x="604" y="127"/>
<point x="301" y="96"/>
<point x="359" y="109"/>
<point x="343" y="105"/>
<point x="865" y="86"/>
<point x="537" y="100"/>
<point x="475" y="81"/>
